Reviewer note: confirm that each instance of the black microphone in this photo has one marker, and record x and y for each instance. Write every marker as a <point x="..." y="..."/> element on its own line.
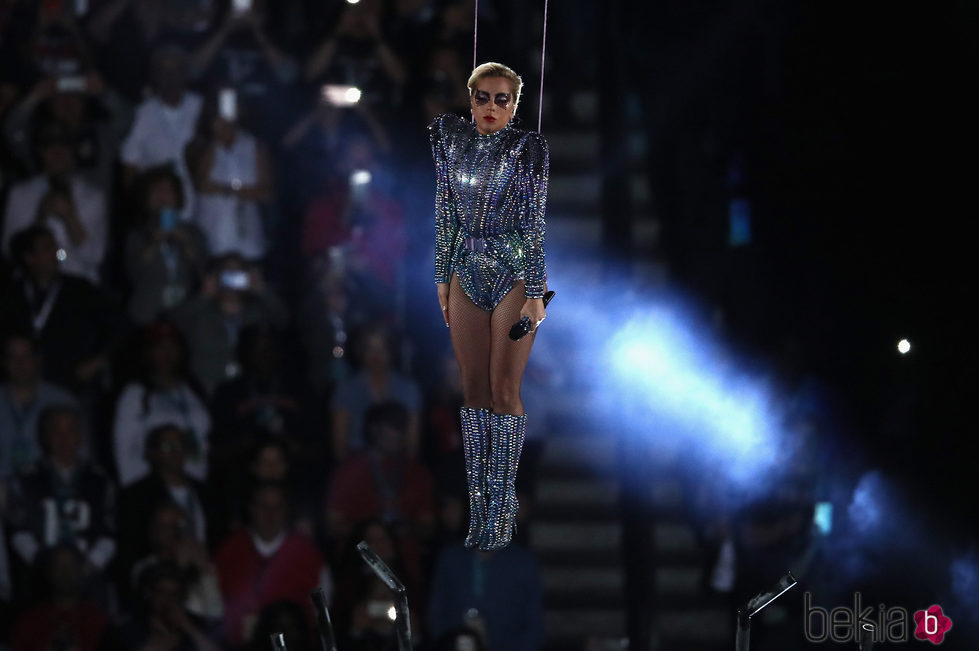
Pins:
<point x="522" y="327"/>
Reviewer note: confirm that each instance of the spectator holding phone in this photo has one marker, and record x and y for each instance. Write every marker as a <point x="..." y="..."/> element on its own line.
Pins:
<point x="165" y="256"/>
<point x="233" y="175"/>
<point x="359" y="229"/>
<point x="245" y="52"/>
<point x="358" y="53"/>
<point x="314" y="145"/>
<point x="233" y="295"/>
<point x="165" y="122"/>
<point x="60" y="199"/>
<point x="94" y="117"/>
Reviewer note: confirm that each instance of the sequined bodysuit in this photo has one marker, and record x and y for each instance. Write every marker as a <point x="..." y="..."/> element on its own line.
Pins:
<point x="489" y="209"/>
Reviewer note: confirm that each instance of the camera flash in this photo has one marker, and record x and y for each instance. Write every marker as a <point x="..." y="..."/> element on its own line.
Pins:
<point x="392" y="613"/>
<point x="904" y="346"/>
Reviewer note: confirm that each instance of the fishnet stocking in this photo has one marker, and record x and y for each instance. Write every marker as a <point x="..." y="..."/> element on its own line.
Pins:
<point x="491" y="364"/>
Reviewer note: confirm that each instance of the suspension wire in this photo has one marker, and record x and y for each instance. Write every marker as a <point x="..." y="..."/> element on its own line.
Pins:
<point x="543" y="52"/>
<point x="543" y="49"/>
<point x="475" y="31"/>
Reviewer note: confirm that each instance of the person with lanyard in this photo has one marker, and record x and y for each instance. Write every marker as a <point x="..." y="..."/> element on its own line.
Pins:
<point x="22" y="399"/>
<point x="167" y="483"/>
<point x="74" y="323"/>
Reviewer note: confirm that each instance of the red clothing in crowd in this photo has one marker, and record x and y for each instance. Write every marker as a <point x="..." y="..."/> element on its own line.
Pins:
<point x="81" y="627"/>
<point x="380" y="243"/>
<point x="250" y="581"/>
<point x="356" y="494"/>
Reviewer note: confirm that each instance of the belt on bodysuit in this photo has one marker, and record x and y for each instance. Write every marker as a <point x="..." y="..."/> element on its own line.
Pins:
<point x="475" y="244"/>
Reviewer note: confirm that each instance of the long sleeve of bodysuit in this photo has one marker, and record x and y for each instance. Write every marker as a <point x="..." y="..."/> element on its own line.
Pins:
<point x="446" y="226"/>
<point x="535" y="162"/>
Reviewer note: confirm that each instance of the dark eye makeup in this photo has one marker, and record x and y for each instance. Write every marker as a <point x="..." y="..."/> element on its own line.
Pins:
<point x="482" y="98"/>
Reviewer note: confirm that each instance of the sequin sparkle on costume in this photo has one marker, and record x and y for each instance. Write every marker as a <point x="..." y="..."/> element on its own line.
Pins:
<point x="489" y="208"/>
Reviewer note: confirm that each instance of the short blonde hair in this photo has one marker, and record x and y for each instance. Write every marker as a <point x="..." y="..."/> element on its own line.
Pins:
<point x="492" y="69"/>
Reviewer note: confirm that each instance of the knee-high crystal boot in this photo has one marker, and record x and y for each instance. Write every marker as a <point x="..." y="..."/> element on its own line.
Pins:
<point x="475" y="440"/>
<point x="508" y="433"/>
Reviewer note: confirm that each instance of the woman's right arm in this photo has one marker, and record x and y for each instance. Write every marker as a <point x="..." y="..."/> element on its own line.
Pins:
<point x="446" y="227"/>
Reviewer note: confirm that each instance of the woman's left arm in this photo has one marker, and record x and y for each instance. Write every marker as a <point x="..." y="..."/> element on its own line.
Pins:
<point x="533" y="179"/>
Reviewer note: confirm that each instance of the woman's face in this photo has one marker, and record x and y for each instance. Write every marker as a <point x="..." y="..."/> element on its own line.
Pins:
<point x="164" y="357"/>
<point x="492" y="103"/>
<point x="271" y="464"/>
<point x="162" y="195"/>
<point x="376" y="353"/>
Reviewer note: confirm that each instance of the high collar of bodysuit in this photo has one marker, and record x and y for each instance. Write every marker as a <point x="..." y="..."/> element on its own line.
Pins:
<point x="488" y="138"/>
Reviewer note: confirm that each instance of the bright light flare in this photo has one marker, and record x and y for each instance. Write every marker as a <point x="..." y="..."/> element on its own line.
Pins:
<point x="904" y="346"/>
<point x="691" y="388"/>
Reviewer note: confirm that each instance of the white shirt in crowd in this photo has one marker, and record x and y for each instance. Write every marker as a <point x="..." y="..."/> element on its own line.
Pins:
<point x="159" y="135"/>
<point x="83" y="259"/>
<point x="137" y="413"/>
<point x="232" y="224"/>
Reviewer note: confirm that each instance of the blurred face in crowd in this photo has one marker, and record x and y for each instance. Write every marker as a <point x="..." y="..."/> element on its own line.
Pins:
<point x="270" y="464"/>
<point x="162" y="194"/>
<point x="68" y="108"/>
<point x="166" y="530"/>
<point x="164" y="597"/>
<point x="268" y="512"/>
<point x="492" y="101"/>
<point x="170" y="79"/>
<point x="376" y="355"/>
<point x="57" y="158"/>
<point x="388" y="439"/>
<point x="164" y="357"/>
<point x="359" y="155"/>
<point x="42" y="260"/>
<point x="170" y="452"/>
<point x="224" y="131"/>
<point x="63" y="438"/>
<point x="21" y="364"/>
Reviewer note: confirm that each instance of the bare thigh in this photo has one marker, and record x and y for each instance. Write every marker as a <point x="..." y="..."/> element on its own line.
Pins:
<point x="508" y="358"/>
<point x="469" y="329"/>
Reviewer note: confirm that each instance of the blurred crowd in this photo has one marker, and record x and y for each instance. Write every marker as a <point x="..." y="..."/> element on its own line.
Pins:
<point x="213" y="216"/>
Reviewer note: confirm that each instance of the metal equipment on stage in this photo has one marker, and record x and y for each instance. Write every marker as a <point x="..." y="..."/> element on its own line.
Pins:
<point x="756" y="605"/>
